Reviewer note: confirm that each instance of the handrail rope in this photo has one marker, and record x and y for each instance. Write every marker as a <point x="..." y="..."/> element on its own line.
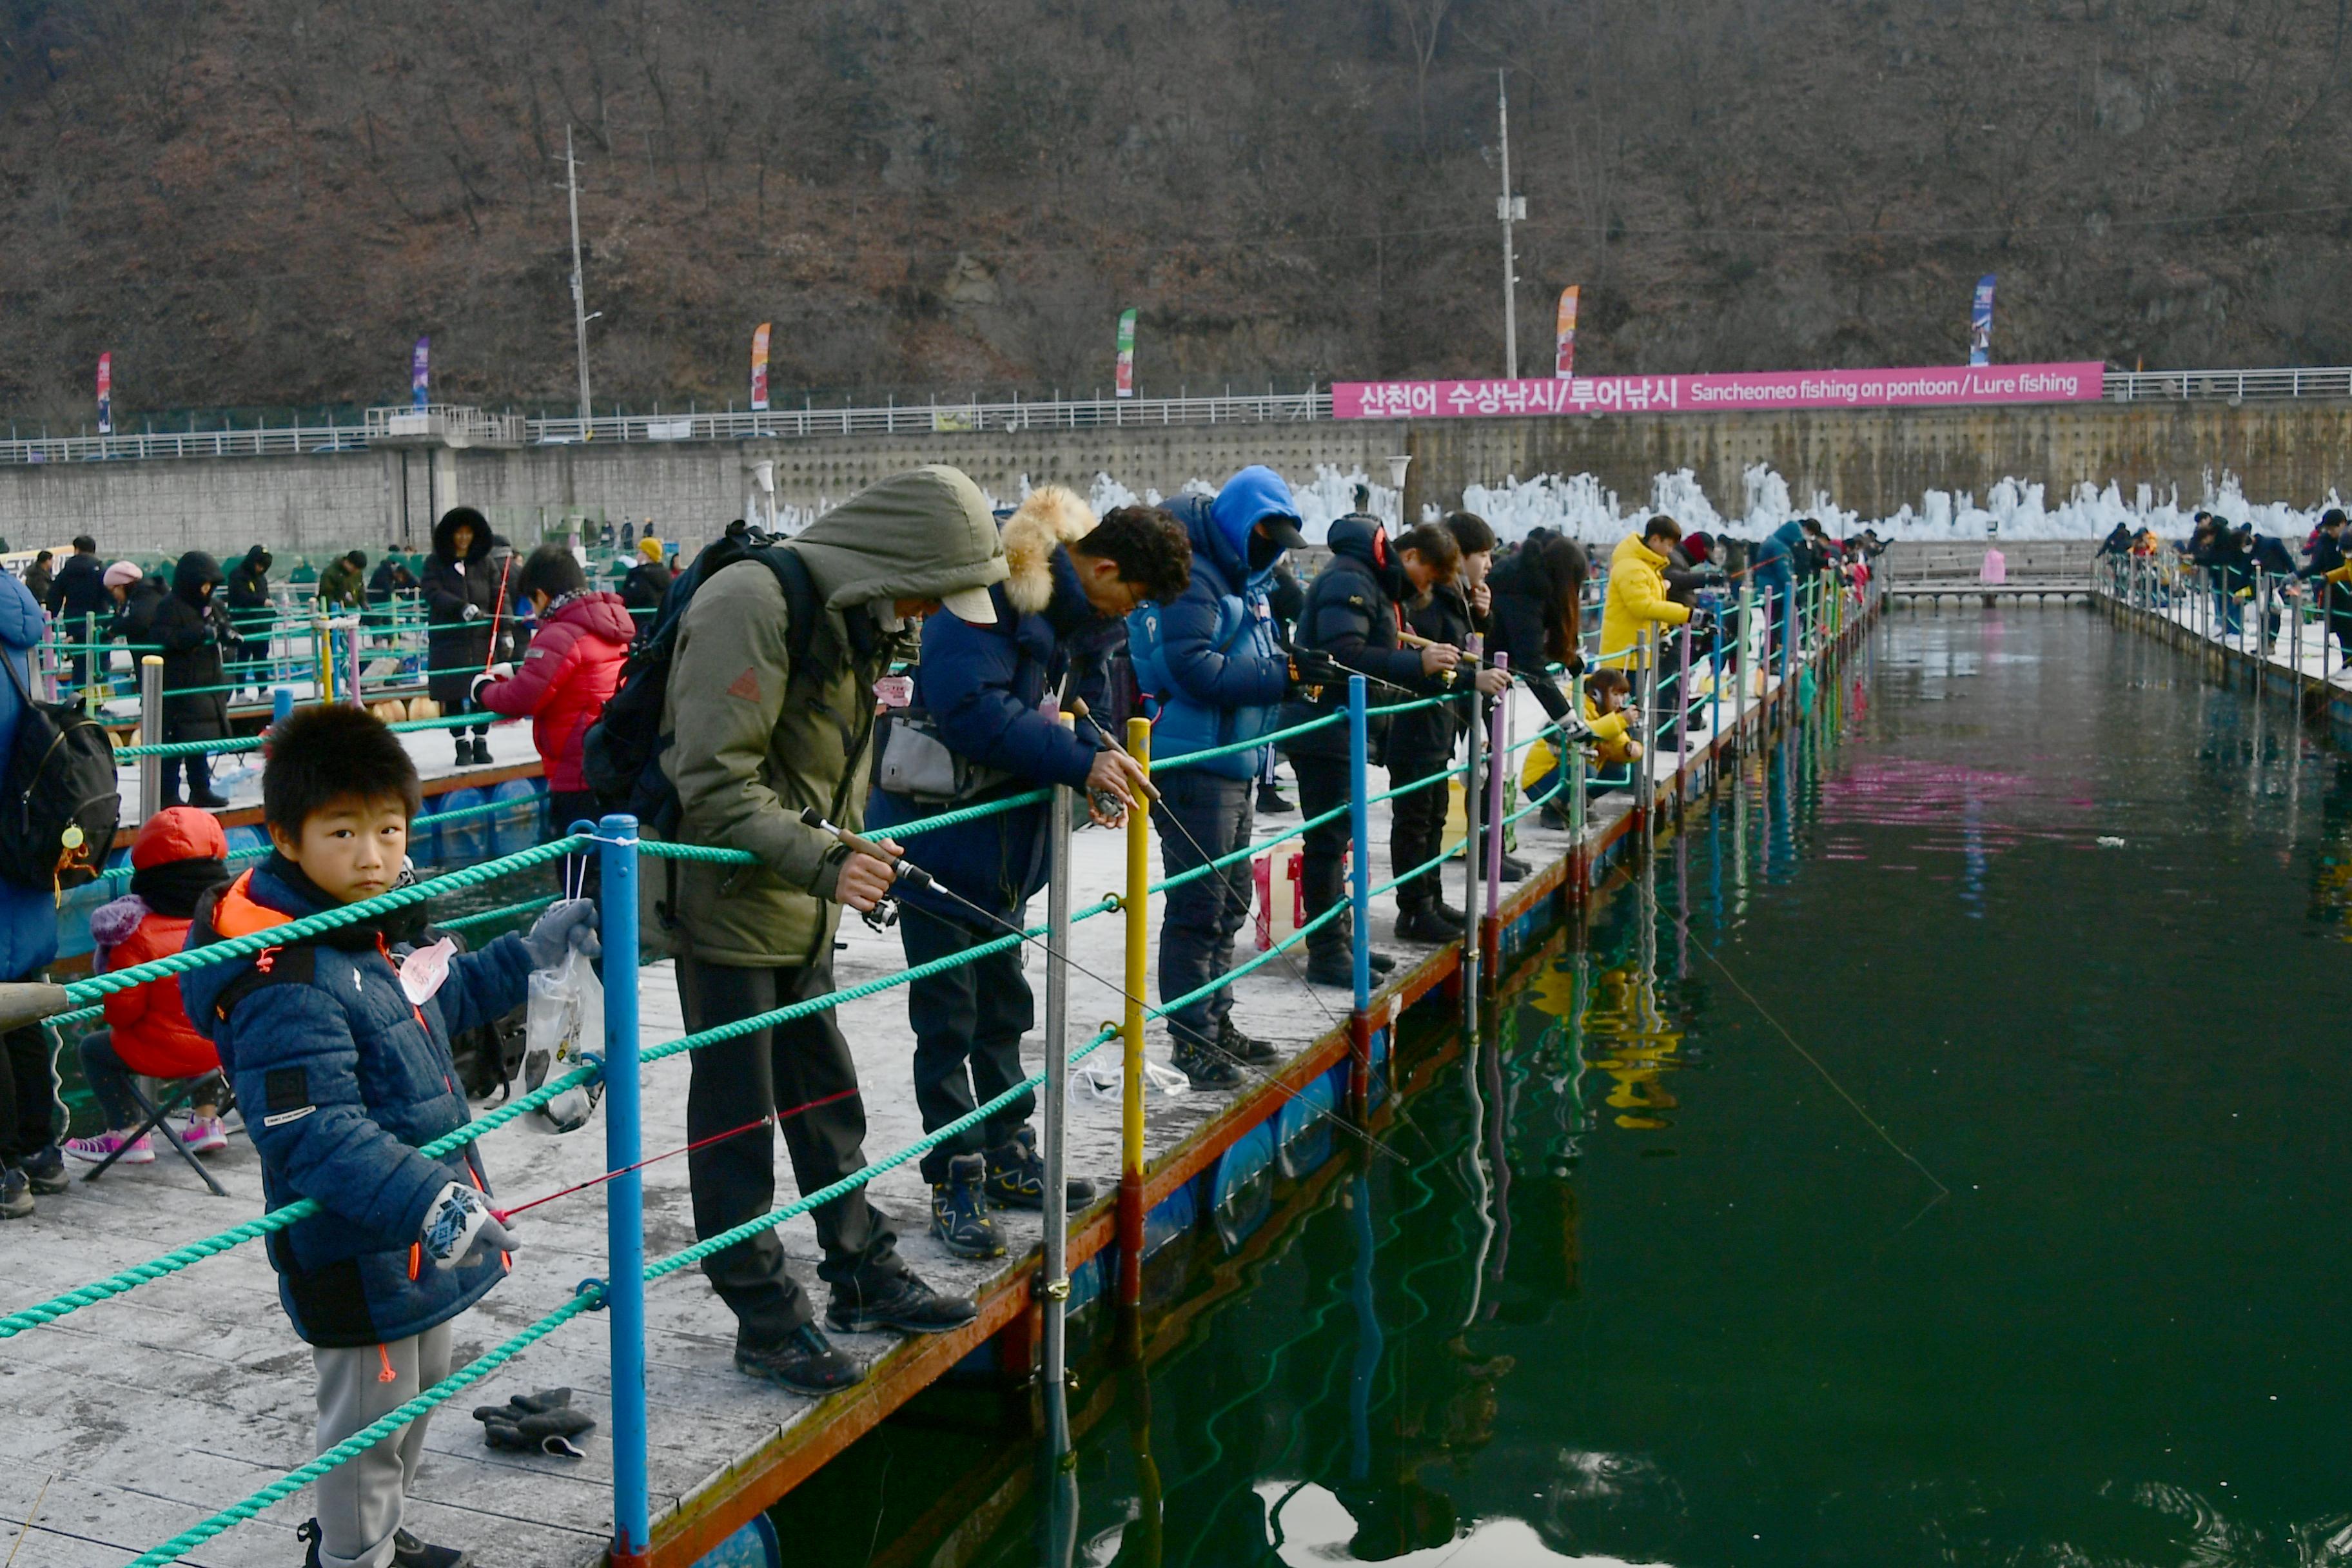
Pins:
<point x="254" y="742"/>
<point x="1208" y="868"/>
<point x="1272" y="737"/>
<point x="517" y="804"/>
<point x="1440" y="858"/>
<point x="97" y="985"/>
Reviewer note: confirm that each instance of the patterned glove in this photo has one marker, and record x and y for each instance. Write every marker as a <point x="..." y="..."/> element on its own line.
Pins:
<point x="459" y="1221"/>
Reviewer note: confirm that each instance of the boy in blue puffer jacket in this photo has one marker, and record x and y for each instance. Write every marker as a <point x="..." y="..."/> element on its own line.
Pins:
<point x="1210" y="664"/>
<point x="339" y="1049"/>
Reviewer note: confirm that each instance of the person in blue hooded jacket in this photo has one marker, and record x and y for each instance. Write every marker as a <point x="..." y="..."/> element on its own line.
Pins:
<point x="1215" y="672"/>
<point x="29" y="1159"/>
<point x="1773" y="571"/>
<point x="989" y="691"/>
<point x="338" y="1046"/>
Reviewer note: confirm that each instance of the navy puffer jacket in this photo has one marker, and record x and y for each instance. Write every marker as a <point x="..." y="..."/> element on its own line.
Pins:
<point x="1210" y="661"/>
<point x="983" y="686"/>
<point x="341" y="1082"/>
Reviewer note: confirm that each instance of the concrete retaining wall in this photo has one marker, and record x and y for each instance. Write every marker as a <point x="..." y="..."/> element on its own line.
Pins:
<point x="1872" y="462"/>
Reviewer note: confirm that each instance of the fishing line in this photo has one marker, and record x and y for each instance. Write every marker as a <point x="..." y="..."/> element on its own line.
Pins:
<point x="502" y="1215"/>
<point x="921" y="880"/>
<point x="1814" y="1062"/>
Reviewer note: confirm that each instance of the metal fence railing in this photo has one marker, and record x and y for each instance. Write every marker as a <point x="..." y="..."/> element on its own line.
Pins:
<point x="462" y="426"/>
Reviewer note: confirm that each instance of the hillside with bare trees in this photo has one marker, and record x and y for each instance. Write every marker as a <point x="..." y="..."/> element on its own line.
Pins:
<point x="265" y="201"/>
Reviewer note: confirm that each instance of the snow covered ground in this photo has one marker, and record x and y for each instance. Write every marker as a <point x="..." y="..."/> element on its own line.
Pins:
<point x="1579" y="506"/>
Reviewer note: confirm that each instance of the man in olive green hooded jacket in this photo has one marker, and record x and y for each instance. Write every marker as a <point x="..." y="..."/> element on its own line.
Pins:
<point x="755" y="739"/>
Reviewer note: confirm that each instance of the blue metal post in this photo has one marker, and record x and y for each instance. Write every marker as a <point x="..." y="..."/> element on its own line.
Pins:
<point x="1788" y="642"/>
<point x="624" y="1196"/>
<point x="281" y="706"/>
<point x="1359" y="826"/>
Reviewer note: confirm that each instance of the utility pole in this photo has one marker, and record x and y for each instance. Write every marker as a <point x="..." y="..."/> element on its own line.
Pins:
<point x="1509" y="208"/>
<point x="579" y="300"/>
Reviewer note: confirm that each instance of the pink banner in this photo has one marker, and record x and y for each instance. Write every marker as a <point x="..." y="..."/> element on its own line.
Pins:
<point x="1768" y="390"/>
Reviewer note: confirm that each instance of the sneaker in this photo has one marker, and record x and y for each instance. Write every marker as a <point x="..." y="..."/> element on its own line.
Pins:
<point x="960" y="1210"/>
<point x="1241" y="1047"/>
<point x="898" y="1301"/>
<point x="1271" y="804"/>
<point x="45" y="1168"/>
<point x="95" y="1150"/>
<point x="1205" y="1066"/>
<point x="1016" y="1176"/>
<point x="1429" y="923"/>
<point x="407" y="1551"/>
<point x="16" y="1194"/>
<point x="806" y="1362"/>
<point x="203" y="1135"/>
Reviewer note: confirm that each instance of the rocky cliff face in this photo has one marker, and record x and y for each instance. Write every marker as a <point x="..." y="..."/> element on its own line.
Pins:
<point x="265" y="201"/>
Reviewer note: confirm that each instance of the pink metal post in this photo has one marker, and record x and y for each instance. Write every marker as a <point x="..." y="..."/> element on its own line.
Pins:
<point x="1497" y="759"/>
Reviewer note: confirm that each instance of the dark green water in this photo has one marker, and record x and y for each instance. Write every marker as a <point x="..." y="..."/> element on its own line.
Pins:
<point x="1631" y="1279"/>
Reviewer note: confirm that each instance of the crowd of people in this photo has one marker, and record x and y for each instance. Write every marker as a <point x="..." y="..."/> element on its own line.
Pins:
<point x="910" y="652"/>
<point x="2236" y="561"/>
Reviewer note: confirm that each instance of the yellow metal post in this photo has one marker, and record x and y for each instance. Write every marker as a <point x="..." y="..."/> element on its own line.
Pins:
<point x="1138" y="912"/>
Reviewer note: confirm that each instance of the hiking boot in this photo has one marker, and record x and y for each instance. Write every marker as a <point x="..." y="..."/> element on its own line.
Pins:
<point x="465" y="751"/>
<point x="806" y="1362"/>
<point x="1429" y="923"/>
<point x="898" y="1301"/>
<point x="1514" y="870"/>
<point x="136" y="1151"/>
<point x="16" y="1194"/>
<point x="481" y="748"/>
<point x="1331" y="968"/>
<point x="1204" y="1065"/>
<point x="45" y="1168"/>
<point x="1380" y="963"/>
<point x="1242" y="1048"/>
<point x="1553" y="818"/>
<point x="407" y="1551"/>
<point x="1016" y="1176"/>
<point x="207" y="800"/>
<point x="1271" y="804"/>
<point x="960" y="1210"/>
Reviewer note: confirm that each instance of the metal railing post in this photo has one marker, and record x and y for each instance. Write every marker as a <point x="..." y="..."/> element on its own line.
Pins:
<point x="1055" y="1292"/>
<point x="1788" y="608"/>
<point x="1498" y="741"/>
<point x="1746" y="654"/>
<point x="624" y="1218"/>
<point x="151" y="734"/>
<point x="90" y="665"/>
<point x="1645" y="664"/>
<point x="321" y="659"/>
<point x="1131" y="1147"/>
<point x="281" y="706"/>
<point x="358" y="695"/>
<point x="1359" y="883"/>
<point x="1473" y="852"/>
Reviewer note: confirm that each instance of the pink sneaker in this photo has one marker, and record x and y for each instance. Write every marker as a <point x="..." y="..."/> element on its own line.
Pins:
<point x="95" y="1150"/>
<point x="204" y="1134"/>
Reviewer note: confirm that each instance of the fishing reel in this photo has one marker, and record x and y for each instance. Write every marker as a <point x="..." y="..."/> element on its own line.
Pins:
<point x="883" y="915"/>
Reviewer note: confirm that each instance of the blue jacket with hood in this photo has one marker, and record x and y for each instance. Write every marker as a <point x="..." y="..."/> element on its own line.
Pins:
<point x="1772" y="567"/>
<point x="983" y="688"/>
<point x="1210" y="660"/>
<point x="342" y="1082"/>
<point x="29" y="916"/>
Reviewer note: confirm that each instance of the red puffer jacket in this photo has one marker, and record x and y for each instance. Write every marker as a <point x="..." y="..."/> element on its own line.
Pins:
<point x="149" y="1023"/>
<point x="565" y="680"/>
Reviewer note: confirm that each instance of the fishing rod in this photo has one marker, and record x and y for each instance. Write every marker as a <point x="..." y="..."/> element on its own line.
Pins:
<point x="923" y="880"/>
<point x="502" y="1215"/>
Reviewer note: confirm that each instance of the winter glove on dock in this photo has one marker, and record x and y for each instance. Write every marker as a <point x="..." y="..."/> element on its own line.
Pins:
<point x="542" y="1423"/>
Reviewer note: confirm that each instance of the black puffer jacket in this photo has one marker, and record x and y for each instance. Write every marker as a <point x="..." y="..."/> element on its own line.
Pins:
<point x="1428" y="734"/>
<point x="248" y="593"/>
<point x="135" y="623"/>
<point x="190" y="627"/>
<point x="1350" y="612"/>
<point x="456" y="646"/>
<point x="1530" y="587"/>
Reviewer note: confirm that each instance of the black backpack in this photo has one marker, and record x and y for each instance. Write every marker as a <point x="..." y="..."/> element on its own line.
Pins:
<point x="620" y="757"/>
<point x="59" y="799"/>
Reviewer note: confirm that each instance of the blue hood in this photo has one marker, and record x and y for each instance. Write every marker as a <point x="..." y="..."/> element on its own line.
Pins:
<point x="21" y="620"/>
<point x="1791" y="534"/>
<point x="1256" y="491"/>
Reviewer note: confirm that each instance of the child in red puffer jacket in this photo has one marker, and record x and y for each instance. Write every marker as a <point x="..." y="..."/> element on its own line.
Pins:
<point x="567" y="678"/>
<point x="177" y="857"/>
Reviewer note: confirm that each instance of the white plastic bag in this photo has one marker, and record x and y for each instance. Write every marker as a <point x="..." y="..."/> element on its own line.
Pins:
<point x="565" y="1022"/>
<point x="1102" y="1076"/>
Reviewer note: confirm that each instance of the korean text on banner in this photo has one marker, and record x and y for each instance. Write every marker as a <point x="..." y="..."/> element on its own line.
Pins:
<point x="106" y="394"/>
<point x="1126" y="353"/>
<point x="759" y="366"/>
<point x="1566" y="332"/>
<point x="420" y="373"/>
<point x="1980" y="323"/>
<point x="1771" y="391"/>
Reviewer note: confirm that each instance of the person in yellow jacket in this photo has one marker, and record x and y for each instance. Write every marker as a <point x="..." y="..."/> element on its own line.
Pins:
<point x="1637" y="594"/>
<point x="1606" y="692"/>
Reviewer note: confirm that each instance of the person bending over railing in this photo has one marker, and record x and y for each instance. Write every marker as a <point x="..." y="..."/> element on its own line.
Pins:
<point x="337" y="1047"/>
<point x="981" y="726"/>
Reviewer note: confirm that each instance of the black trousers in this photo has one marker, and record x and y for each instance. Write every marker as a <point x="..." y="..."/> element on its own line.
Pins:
<point x="199" y="769"/>
<point x="1322" y="786"/>
<point x="1417" y="828"/>
<point x="967" y="1027"/>
<point x="779" y="1070"/>
<point x="30" y="1112"/>
<point x="1200" y="817"/>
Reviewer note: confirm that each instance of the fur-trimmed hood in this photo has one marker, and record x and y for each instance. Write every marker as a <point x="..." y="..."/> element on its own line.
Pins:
<point x="1053" y="516"/>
